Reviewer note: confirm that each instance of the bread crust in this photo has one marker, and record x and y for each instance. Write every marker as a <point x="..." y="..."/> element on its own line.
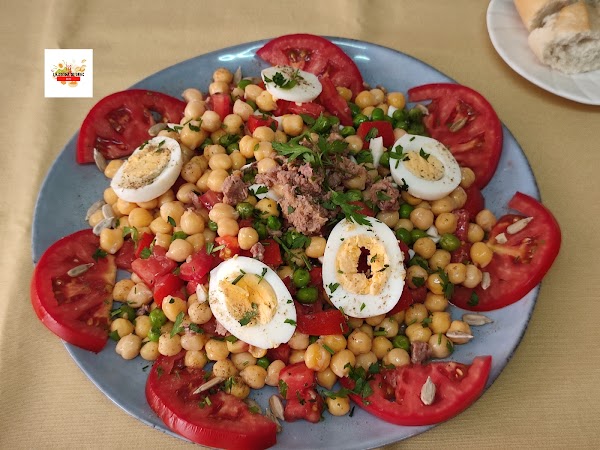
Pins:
<point x="533" y="12"/>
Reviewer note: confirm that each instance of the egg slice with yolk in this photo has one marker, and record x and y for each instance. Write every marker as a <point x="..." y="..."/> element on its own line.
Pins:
<point x="288" y="83"/>
<point x="356" y="292"/>
<point x="249" y="299"/>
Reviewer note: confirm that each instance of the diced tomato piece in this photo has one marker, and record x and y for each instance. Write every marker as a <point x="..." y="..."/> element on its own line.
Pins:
<point x="125" y="256"/>
<point x="281" y="353"/>
<point x="419" y="294"/>
<point x="307" y="405"/>
<point x="151" y="268"/>
<point x="198" y="267"/>
<point x="311" y="109"/>
<point x="364" y="209"/>
<point x="295" y="378"/>
<point x="330" y="321"/>
<point x="272" y="256"/>
<point x="404" y="302"/>
<point x="384" y="129"/>
<point x="167" y="284"/>
<point x="210" y="199"/>
<point x="222" y="104"/>
<point x="144" y="242"/>
<point x="232" y="246"/>
<point x="255" y="121"/>
<point x="475" y="201"/>
<point x="316" y="276"/>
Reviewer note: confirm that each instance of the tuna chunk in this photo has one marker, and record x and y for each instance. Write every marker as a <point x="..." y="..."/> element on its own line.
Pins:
<point x="234" y="189"/>
<point x="419" y="352"/>
<point x="384" y="194"/>
<point x="303" y="213"/>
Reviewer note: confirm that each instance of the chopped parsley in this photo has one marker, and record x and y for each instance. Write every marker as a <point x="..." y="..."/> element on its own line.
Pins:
<point x="350" y="211"/>
<point x="329" y="349"/>
<point x="447" y="286"/>
<point x="282" y="82"/>
<point x="178" y="235"/>
<point x="262" y="275"/>
<point x="145" y="253"/>
<point x="259" y="190"/>
<point x="133" y="231"/>
<point x="171" y="221"/>
<point x="382" y="196"/>
<point x="424" y="155"/>
<point x="362" y="306"/>
<point x="333" y="287"/>
<point x="418" y="281"/>
<point x="239" y="277"/>
<point x="290" y="321"/>
<point x="196" y="328"/>
<point x="473" y="299"/>
<point x="249" y="315"/>
<point x="194" y="127"/>
<point x="371" y="134"/>
<point x="178" y="325"/>
<point x="210" y="248"/>
<point x="114" y="335"/>
<point x="283" y="387"/>
<point x="99" y="253"/>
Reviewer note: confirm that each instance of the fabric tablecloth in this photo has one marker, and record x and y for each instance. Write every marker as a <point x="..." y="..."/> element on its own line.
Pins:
<point x="548" y="396"/>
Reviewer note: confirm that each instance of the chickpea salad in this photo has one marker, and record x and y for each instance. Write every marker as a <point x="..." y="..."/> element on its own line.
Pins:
<point x="294" y="228"/>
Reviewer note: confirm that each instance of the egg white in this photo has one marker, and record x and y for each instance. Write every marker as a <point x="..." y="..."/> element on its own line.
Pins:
<point x="125" y="186"/>
<point x="307" y="88"/>
<point x="418" y="186"/>
<point x="269" y="335"/>
<point x="364" y="305"/>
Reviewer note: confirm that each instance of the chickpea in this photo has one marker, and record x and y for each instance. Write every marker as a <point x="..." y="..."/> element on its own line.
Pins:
<point x="364" y="99"/>
<point x="475" y="233"/>
<point x="440" y="345"/>
<point x="381" y="346"/>
<point x="191" y="222"/>
<point x="390" y="326"/>
<point x="440" y="259"/>
<point x="142" y="326"/>
<point x="272" y="378"/>
<point x="457" y="272"/>
<point x="220" y="161"/>
<point x="195" y="359"/>
<point x="268" y="207"/>
<point x="459" y="196"/>
<point x="264" y="150"/>
<point x="140" y="217"/>
<point x="222" y="211"/>
<point x="415" y="276"/>
<point x="408" y="198"/>
<point x="193" y="341"/>
<point x="224" y="368"/>
<point x="446" y="223"/>
<point x="129" y="346"/>
<point x="341" y="361"/>
<point x="215" y="180"/>
<point x="237" y="160"/>
<point x="121" y="289"/>
<point x="398" y="133"/>
<point x="285" y="271"/>
<point x="242" y="109"/>
<point x="123" y="327"/>
<point x="218" y="87"/>
<point x="298" y="341"/>
<point x="192" y="135"/>
<point x="149" y="205"/>
<point x="264" y="134"/>
<point x="338" y="406"/>
<point x="467" y="177"/>
<point x="357" y="182"/>
<point x="486" y="219"/>
<point x="473" y="276"/>
<point x="265" y="101"/>
<point x="355" y="322"/>
<point x="149" y="351"/>
<point x="216" y="350"/>
<point x="463" y="327"/>
<point x="174" y="210"/>
<point x="232" y="124"/>
<point x="417" y="333"/>
<point x="200" y="313"/>
<point x="378" y="95"/>
<point x="111" y="240"/>
<point x="435" y="283"/>
<point x="112" y="167"/>
<point x="169" y="346"/>
<point x="335" y="342"/>
<point x="359" y="342"/>
<point x="406" y="224"/>
<point x="280" y="136"/>
<point x="375" y="320"/>
<point x="422" y="218"/>
<point x="173" y="306"/>
<point x="248" y="145"/>
<point x="162" y="240"/>
<point x="247" y="237"/>
<point x="440" y="322"/>
<point x="366" y="360"/>
<point x="355" y="143"/>
<point x="139" y="295"/>
<point x="195" y="108"/>
<point x="415" y="313"/>
<point x="292" y="124"/>
<point x="254" y="376"/>
<point x="435" y="302"/>
<point x="210" y="121"/>
<point x="242" y="360"/>
<point x="326" y="378"/>
<point x="110" y="196"/>
<point x="238" y="347"/>
<point x="481" y="254"/>
<point x="396" y="99"/>
<point x="397" y="357"/>
<point x="344" y="92"/>
<point x="365" y="327"/>
<point x="257" y="352"/>
<point x="424" y="247"/>
<point x="390" y="218"/>
<point x="168" y="196"/>
<point x="297" y="356"/>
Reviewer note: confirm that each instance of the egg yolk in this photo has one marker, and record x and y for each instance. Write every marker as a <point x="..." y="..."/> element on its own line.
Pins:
<point x="347" y="265"/>
<point x="426" y="167"/>
<point x="249" y="299"/>
<point x="144" y="166"/>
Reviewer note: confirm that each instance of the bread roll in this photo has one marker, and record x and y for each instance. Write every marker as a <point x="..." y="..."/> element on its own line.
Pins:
<point x="533" y="12"/>
<point x="569" y="40"/>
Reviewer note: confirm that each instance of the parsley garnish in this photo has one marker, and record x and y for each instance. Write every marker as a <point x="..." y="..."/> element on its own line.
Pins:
<point x="362" y="306"/>
<point x="249" y="315"/>
<point x="333" y="286"/>
<point x="342" y="393"/>
<point x="424" y="155"/>
<point x="449" y="345"/>
<point x="196" y="328"/>
<point x="210" y="248"/>
<point x="194" y="127"/>
<point x="145" y="253"/>
<point x="254" y="409"/>
<point x="290" y="209"/>
<point x="231" y="338"/>
<point x="329" y="349"/>
<point x="178" y="325"/>
<point x="447" y="286"/>
<point x="239" y="277"/>
<point x="178" y="235"/>
<point x="425" y="322"/>
<point x="283" y="387"/>
<point x="398" y="154"/>
<point x="131" y="231"/>
<point x="159" y="371"/>
<point x="99" y="253"/>
<point x="473" y="300"/>
<point x="418" y="281"/>
<point x="262" y="275"/>
<point x="171" y="221"/>
<point x="114" y="335"/>
<point x="371" y="134"/>
<point x="382" y="196"/>
<point x="283" y="82"/>
<point x="259" y="190"/>
<point x="290" y="321"/>
<point x="350" y="211"/>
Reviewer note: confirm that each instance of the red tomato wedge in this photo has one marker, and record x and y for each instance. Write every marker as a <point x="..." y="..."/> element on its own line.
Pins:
<point x="259" y="121"/>
<point x="521" y="262"/>
<point x="272" y="255"/>
<point x="475" y="201"/>
<point x="221" y="104"/>
<point x="311" y="109"/>
<point x="396" y="394"/>
<point x="167" y="284"/>
<point x="466" y="123"/>
<point x="119" y="123"/>
<point x="334" y="102"/>
<point x="151" y="268"/>
<point x="75" y="308"/>
<point x="384" y="129"/>
<point x="212" y="418"/>
<point x="314" y="54"/>
<point x="126" y="255"/>
<point x="295" y="378"/>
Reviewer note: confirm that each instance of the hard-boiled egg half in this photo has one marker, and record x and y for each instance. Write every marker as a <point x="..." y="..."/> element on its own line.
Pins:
<point x="288" y="83"/>
<point x="360" y="294"/>
<point x="425" y="165"/>
<point x="251" y="302"/>
<point x="150" y="171"/>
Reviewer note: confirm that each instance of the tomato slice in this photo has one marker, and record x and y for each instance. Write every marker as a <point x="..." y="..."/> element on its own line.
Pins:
<point x="475" y="201"/>
<point x="404" y="302"/>
<point x="221" y="104"/>
<point x="167" y="284"/>
<point x="384" y="129"/>
<point x="295" y="378"/>
<point x="314" y="54"/>
<point x="119" y="123"/>
<point x="282" y="353"/>
<point x="212" y="418"/>
<point x="364" y="209"/>
<point x="334" y="102"/>
<point x="520" y="263"/>
<point x="272" y="255"/>
<point x="306" y="405"/>
<point x="75" y="308"/>
<point x="330" y="321"/>
<point x="311" y="109"/>
<point x="198" y="267"/>
<point x="396" y="396"/>
<point x="465" y="122"/>
<point x="255" y="121"/>
<point x="125" y="256"/>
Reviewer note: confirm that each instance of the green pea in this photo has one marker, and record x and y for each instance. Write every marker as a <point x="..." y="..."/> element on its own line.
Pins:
<point x="405" y="210"/>
<point x="333" y="121"/>
<point x="245" y="209"/>
<point x="354" y="108"/>
<point x="212" y="225"/>
<point x="364" y="156"/>
<point x="385" y="160"/>
<point x="417" y="128"/>
<point x="418" y="261"/>
<point x="347" y="131"/>
<point x="274" y="223"/>
<point x="154" y="334"/>
<point x="404" y="235"/>
<point x="263" y="362"/>
<point x="377" y="114"/>
<point x="307" y="295"/>
<point x="127" y="312"/>
<point x="449" y="242"/>
<point x="415" y="115"/>
<point x="400" y="114"/>
<point x="417" y="234"/>
<point x="301" y="278"/>
<point x="401" y="341"/>
<point x="358" y="119"/>
<point x="243" y="83"/>
<point x="261" y="229"/>
<point x="354" y="195"/>
<point x="157" y="317"/>
<point x="401" y="124"/>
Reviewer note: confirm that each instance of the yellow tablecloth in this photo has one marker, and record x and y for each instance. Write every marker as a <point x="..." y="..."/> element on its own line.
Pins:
<point x="548" y="395"/>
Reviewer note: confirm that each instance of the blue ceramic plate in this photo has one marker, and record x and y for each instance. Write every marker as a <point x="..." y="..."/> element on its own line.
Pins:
<point x="69" y="189"/>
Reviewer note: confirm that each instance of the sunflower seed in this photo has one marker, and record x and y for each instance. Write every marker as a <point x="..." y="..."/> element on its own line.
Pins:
<point x="210" y="383"/>
<point x="476" y="319"/>
<point x="458" y="125"/>
<point x="104" y="223"/>
<point x="79" y="270"/>
<point x="253" y="405"/>
<point x="237" y="76"/>
<point x="518" y="225"/>
<point x="459" y="337"/>
<point x="157" y="128"/>
<point x="108" y="212"/>
<point x="201" y="293"/>
<point x="428" y="392"/>
<point x="269" y="415"/>
<point x="501" y="238"/>
<point x="100" y="160"/>
<point x="486" y="280"/>
<point x="276" y="407"/>
<point x="95" y="207"/>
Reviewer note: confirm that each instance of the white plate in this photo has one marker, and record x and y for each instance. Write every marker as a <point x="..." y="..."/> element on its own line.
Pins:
<point x="509" y="37"/>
